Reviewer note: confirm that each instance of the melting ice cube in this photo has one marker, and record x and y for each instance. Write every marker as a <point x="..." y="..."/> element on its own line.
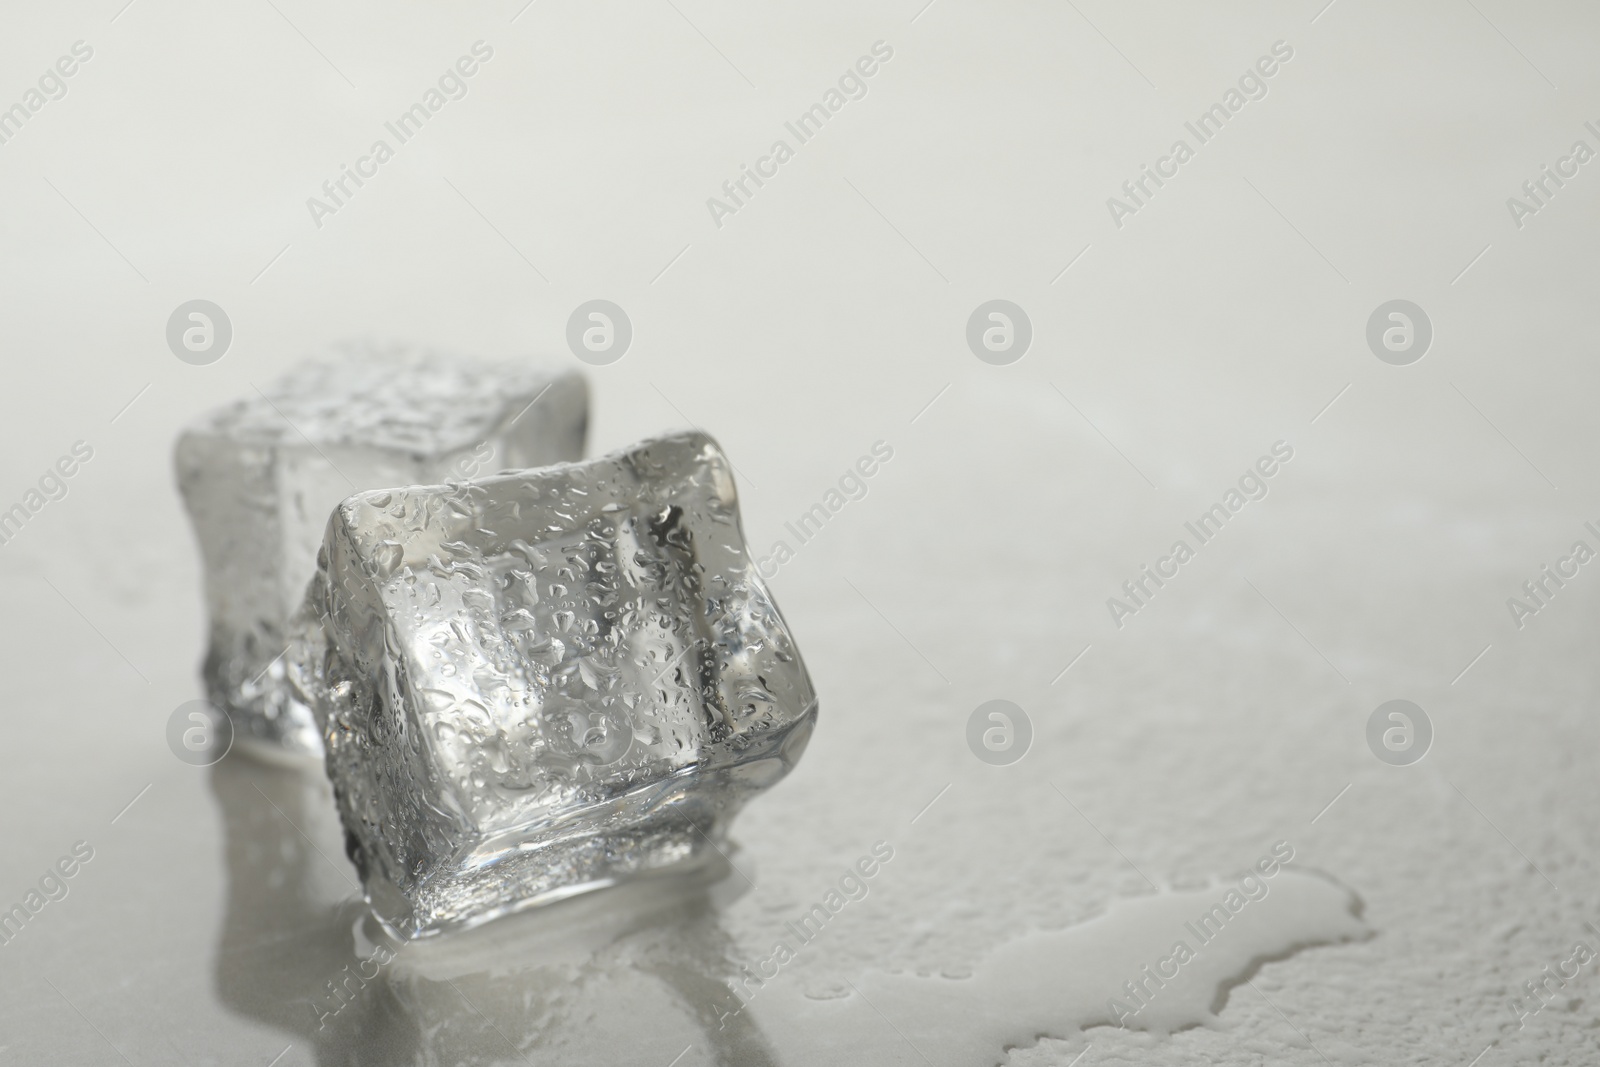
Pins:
<point x="546" y="681"/>
<point x="260" y="477"/>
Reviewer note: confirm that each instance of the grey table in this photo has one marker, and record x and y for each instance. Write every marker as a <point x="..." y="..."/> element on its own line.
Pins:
<point x="1178" y="331"/>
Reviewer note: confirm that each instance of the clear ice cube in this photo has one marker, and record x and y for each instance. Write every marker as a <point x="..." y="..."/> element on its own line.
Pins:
<point x="260" y="477"/>
<point x="545" y="682"/>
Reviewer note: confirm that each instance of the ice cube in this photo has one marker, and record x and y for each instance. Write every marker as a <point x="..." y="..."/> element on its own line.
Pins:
<point x="261" y="476"/>
<point x="546" y="682"/>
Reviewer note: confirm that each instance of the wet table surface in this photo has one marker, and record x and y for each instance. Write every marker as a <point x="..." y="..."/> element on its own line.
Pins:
<point x="1179" y="733"/>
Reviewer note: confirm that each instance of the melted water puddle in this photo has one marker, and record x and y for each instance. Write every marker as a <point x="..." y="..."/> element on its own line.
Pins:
<point x="1123" y="967"/>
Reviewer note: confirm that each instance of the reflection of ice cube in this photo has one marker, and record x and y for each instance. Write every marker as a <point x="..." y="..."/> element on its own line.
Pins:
<point x="260" y="477"/>
<point x="545" y="681"/>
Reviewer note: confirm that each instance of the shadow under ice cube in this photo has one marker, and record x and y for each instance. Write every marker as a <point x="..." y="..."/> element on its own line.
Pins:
<point x="547" y="681"/>
<point x="261" y="476"/>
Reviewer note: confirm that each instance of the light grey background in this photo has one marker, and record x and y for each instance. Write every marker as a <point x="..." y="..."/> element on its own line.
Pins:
<point x="830" y="313"/>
